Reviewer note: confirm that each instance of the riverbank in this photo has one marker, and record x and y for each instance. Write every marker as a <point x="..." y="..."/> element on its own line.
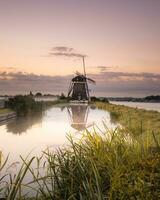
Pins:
<point x="136" y="121"/>
<point x="6" y="114"/>
<point x="4" y="110"/>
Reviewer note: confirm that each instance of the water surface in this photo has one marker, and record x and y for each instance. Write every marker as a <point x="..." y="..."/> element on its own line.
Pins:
<point x="48" y="129"/>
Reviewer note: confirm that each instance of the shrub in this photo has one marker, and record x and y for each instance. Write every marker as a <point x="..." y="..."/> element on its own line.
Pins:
<point x="24" y="104"/>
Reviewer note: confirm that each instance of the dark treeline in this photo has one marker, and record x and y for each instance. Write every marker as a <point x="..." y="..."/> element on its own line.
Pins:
<point x="151" y="98"/>
<point x="99" y="99"/>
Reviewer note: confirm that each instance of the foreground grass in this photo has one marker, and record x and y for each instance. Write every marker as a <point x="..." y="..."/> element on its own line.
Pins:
<point x="97" y="167"/>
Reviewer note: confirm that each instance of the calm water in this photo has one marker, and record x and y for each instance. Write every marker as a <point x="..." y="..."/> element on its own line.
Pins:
<point x="146" y="106"/>
<point x="37" y="132"/>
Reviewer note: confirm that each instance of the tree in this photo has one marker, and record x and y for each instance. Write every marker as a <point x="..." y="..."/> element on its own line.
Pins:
<point x="62" y="96"/>
<point x="31" y="94"/>
<point x="38" y="94"/>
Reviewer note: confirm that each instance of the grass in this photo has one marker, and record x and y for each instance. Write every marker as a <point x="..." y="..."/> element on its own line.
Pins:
<point x="5" y="110"/>
<point x="107" y="166"/>
<point x="138" y="122"/>
<point x="116" y="164"/>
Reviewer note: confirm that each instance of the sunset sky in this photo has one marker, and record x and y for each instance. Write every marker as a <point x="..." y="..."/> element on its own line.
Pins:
<point x="41" y="43"/>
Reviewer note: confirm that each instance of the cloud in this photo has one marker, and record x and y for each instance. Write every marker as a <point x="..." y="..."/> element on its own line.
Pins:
<point x="118" y="78"/>
<point x="126" y="84"/>
<point x="66" y="52"/>
<point x="7" y="68"/>
<point x="76" y="55"/>
<point x="20" y="82"/>
<point x="108" y="83"/>
<point x="103" y="68"/>
<point x="62" y="49"/>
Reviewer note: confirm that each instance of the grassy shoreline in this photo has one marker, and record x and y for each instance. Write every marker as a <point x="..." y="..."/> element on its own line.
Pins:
<point x="6" y="114"/>
<point x="5" y="111"/>
<point x="138" y="122"/>
<point x="117" y="164"/>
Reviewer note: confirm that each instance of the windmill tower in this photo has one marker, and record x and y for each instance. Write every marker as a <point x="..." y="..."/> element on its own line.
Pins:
<point x="78" y="90"/>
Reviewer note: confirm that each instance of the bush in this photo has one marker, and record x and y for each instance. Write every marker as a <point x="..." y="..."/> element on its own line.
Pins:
<point x="24" y="104"/>
<point x="62" y="96"/>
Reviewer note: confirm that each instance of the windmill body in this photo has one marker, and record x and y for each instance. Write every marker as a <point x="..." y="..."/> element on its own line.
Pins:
<point x="78" y="90"/>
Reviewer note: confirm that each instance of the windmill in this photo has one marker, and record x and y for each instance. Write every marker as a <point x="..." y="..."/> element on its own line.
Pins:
<point x="78" y="90"/>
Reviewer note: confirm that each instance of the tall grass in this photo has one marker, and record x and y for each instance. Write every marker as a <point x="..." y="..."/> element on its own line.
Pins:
<point x="109" y="166"/>
<point x="112" y="165"/>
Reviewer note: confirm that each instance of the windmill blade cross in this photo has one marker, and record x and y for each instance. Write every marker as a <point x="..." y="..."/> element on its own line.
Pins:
<point x="70" y="89"/>
<point x="91" y="80"/>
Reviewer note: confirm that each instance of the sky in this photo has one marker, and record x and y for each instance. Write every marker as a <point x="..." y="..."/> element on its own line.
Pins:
<point x="42" y="43"/>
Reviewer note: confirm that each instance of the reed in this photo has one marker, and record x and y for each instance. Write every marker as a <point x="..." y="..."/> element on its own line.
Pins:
<point x="108" y="166"/>
<point x="112" y="165"/>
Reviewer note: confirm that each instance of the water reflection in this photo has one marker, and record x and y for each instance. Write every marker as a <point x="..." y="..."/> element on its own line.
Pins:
<point x="59" y="119"/>
<point x="78" y="115"/>
<point x="22" y="124"/>
<point x="49" y="129"/>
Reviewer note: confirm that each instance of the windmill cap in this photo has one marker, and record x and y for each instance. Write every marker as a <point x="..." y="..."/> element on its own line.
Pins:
<point x="79" y="78"/>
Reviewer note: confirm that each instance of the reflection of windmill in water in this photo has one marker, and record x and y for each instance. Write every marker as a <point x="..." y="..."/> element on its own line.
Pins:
<point x="78" y="115"/>
<point x="78" y="90"/>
